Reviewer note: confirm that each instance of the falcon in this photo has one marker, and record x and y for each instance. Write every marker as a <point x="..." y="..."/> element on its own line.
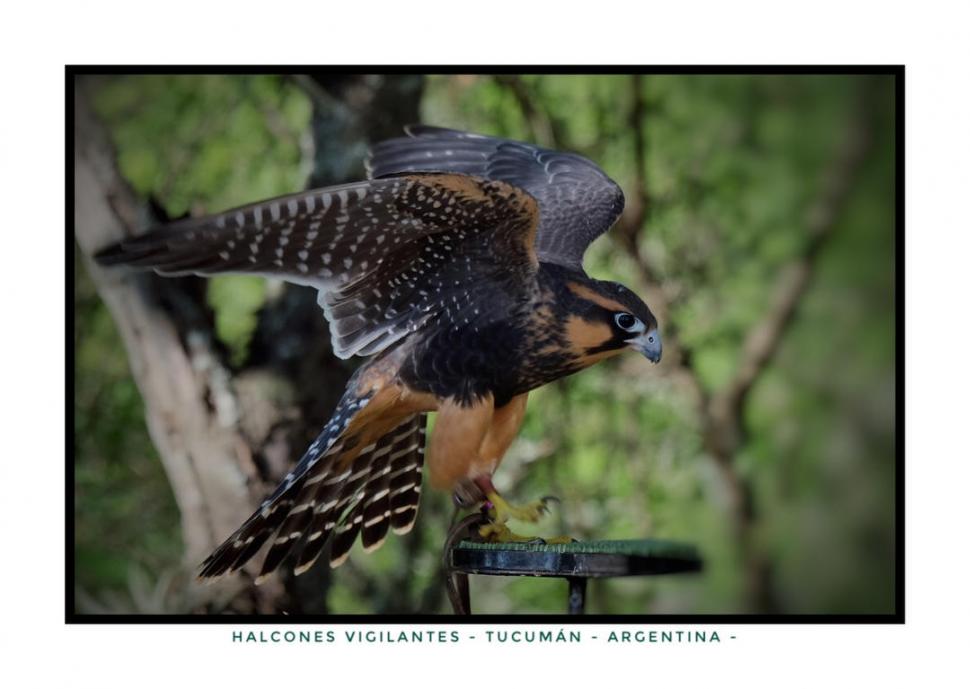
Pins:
<point x="456" y="268"/>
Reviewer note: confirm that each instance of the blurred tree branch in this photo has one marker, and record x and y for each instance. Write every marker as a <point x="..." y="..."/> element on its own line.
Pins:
<point x="763" y="339"/>
<point x="635" y="214"/>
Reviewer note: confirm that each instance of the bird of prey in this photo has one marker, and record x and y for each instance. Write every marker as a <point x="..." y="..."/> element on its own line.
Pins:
<point x="456" y="269"/>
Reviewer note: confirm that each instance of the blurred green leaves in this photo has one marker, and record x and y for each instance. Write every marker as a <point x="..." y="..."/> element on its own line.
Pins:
<point x="207" y="143"/>
<point x="236" y="300"/>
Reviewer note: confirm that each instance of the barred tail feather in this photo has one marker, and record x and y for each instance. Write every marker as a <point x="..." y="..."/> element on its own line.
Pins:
<point x="405" y="481"/>
<point x="377" y="510"/>
<point x="346" y="534"/>
<point x="239" y="548"/>
<point x="378" y="492"/>
<point x="333" y="513"/>
<point x="372" y="515"/>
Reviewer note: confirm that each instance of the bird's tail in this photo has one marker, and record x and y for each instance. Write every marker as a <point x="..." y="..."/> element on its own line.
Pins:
<point x="376" y="489"/>
<point x="381" y="494"/>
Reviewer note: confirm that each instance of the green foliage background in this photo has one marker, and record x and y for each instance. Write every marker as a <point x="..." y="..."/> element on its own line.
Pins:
<point x="733" y="165"/>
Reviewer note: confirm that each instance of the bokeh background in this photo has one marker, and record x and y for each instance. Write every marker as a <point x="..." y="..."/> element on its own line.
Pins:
<point x="760" y="227"/>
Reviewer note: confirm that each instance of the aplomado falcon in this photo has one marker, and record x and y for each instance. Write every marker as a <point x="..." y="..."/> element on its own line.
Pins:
<point x="456" y="269"/>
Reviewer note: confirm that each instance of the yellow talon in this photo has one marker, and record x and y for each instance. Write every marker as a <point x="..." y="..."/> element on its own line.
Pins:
<point x="497" y="530"/>
<point x="501" y="511"/>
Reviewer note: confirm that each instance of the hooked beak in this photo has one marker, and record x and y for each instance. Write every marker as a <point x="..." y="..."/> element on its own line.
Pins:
<point x="648" y="344"/>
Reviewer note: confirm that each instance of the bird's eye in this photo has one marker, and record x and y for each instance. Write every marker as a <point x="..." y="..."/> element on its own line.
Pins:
<point x="627" y="321"/>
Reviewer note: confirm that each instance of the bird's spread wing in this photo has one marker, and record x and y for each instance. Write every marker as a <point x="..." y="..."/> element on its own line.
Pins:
<point x="388" y="256"/>
<point x="577" y="201"/>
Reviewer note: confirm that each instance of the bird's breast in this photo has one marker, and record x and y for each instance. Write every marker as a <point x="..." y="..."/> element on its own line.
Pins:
<point x="515" y="349"/>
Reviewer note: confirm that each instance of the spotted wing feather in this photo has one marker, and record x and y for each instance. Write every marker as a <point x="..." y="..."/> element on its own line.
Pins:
<point x="386" y="255"/>
<point x="577" y="201"/>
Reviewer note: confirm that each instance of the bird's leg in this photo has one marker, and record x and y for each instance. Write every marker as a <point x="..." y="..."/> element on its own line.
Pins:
<point x="499" y="511"/>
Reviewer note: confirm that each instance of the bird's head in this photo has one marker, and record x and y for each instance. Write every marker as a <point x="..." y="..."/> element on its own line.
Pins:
<point x="607" y="318"/>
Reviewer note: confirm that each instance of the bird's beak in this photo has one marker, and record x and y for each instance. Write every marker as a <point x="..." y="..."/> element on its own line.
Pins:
<point x="648" y="344"/>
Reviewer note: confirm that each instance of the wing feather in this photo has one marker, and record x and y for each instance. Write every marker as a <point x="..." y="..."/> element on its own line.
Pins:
<point x="381" y="252"/>
<point x="577" y="201"/>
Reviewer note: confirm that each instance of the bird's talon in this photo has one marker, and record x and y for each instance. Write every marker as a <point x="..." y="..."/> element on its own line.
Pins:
<point x="501" y="511"/>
